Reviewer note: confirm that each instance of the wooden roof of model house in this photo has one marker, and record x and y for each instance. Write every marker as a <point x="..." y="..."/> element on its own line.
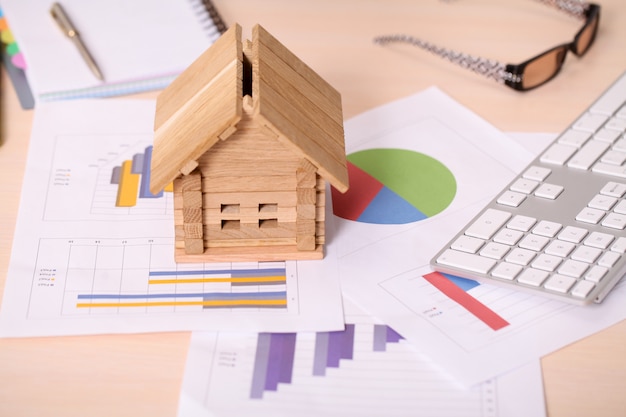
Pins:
<point x="204" y="104"/>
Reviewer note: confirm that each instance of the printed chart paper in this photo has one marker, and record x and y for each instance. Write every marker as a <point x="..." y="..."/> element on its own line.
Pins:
<point x="474" y="331"/>
<point x="365" y="370"/>
<point x="94" y="250"/>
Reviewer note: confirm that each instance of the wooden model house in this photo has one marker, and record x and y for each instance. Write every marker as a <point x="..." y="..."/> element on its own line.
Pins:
<point x="248" y="134"/>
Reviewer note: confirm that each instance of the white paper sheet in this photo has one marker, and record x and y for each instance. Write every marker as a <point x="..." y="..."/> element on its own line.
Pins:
<point x="239" y="375"/>
<point x="138" y="45"/>
<point x="382" y="265"/>
<point x="82" y="264"/>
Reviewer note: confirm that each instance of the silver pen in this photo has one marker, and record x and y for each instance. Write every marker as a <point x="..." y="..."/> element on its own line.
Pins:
<point x="64" y="22"/>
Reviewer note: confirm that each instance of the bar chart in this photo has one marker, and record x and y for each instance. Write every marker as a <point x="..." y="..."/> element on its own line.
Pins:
<point x="139" y="276"/>
<point x="104" y="177"/>
<point x="365" y="370"/>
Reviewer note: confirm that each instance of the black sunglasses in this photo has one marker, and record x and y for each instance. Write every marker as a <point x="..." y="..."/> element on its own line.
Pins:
<point x="529" y="74"/>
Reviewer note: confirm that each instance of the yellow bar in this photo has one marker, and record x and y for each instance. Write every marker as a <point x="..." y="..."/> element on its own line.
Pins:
<point x="169" y="188"/>
<point x="205" y="280"/>
<point x="214" y="303"/>
<point x="128" y="187"/>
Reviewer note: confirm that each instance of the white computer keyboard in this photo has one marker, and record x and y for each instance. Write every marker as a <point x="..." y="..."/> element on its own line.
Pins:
<point x="559" y="228"/>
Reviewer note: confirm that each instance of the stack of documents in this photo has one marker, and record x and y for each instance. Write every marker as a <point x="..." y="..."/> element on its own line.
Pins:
<point x="369" y="330"/>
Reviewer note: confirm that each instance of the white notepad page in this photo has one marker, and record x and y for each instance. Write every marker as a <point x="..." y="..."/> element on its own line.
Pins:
<point x="138" y="45"/>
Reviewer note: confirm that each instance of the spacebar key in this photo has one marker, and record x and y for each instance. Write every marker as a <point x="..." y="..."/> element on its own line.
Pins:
<point x="468" y="261"/>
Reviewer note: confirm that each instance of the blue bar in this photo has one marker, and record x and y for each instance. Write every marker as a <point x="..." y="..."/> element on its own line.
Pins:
<point x="206" y="296"/>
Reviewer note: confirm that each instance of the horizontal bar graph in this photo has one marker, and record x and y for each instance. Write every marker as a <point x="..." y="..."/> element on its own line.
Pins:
<point x="456" y="289"/>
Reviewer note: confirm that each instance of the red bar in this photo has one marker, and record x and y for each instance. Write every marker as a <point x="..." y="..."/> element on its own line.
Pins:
<point x="465" y="300"/>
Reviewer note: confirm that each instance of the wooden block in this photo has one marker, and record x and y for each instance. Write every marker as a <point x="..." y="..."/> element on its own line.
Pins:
<point x="194" y="246"/>
<point x="306" y="174"/>
<point x="191" y="182"/>
<point x="192" y="199"/>
<point x="305" y="242"/>
<point x="192" y="215"/>
<point x="179" y="232"/>
<point x="249" y="199"/>
<point x="305" y="227"/>
<point x="247" y="243"/>
<point x="227" y="132"/>
<point x="249" y="184"/>
<point x="306" y="196"/>
<point x="193" y="231"/>
<point x="306" y="211"/>
<point x="250" y="253"/>
<point x="188" y="167"/>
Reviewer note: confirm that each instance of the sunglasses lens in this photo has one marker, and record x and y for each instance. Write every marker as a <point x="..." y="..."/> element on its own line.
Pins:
<point x="542" y="68"/>
<point x="585" y="37"/>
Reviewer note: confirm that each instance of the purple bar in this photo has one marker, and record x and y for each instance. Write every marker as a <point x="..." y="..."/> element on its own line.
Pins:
<point x="321" y="353"/>
<point x="280" y="361"/>
<point x="115" y="175"/>
<point x="393" y="336"/>
<point x="137" y="165"/>
<point x="144" y="188"/>
<point x="380" y="338"/>
<point x="261" y="361"/>
<point x="340" y="346"/>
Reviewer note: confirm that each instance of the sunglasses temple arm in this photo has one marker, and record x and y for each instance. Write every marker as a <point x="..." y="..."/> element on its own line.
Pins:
<point x="486" y="67"/>
<point x="575" y="8"/>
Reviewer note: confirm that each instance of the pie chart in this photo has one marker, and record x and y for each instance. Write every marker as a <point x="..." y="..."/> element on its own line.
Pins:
<point x="394" y="186"/>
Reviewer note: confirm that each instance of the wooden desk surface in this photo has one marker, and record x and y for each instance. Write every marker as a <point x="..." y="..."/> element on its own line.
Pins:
<point x="140" y="375"/>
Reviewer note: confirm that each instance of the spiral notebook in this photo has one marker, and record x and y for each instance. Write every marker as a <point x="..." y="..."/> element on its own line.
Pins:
<point x="139" y="45"/>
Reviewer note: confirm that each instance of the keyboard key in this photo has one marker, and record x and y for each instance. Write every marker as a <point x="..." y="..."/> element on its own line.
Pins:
<point x="506" y="270"/>
<point x="590" y="122"/>
<point x="560" y="248"/>
<point x="574" y="137"/>
<point x="596" y="273"/>
<point x="586" y="254"/>
<point x="546" y="262"/>
<point x="615" y="221"/>
<point x="537" y="173"/>
<point x="573" y="268"/>
<point x="468" y="261"/>
<point x="549" y="191"/>
<point x="602" y="202"/>
<point x="599" y="240"/>
<point x="590" y="215"/>
<point x="620" y="245"/>
<point x="558" y="154"/>
<point x="488" y="224"/>
<point x="467" y="244"/>
<point x="494" y="250"/>
<point x="534" y="242"/>
<point x="607" y="135"/>
<point x="609" y="259"/>
<point x="508" y="236"/>
<point x="573" y="234"/>
<point x="546" y="228"/>
<point x="559" y="283"/>
<point x="534" y="277"/>
<point x="609" y="169"/>
<point x="613" y="189"/>
<point x="588" y="154"/>
<point x="582" y="289"/>
<point x="525" y="186"/>
<point x="521" y="223"/>
<point x="520" y="256"/>
<point x="511" y="198"/>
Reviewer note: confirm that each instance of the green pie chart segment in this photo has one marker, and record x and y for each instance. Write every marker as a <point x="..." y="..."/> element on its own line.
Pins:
<point x="394" y="186"/>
